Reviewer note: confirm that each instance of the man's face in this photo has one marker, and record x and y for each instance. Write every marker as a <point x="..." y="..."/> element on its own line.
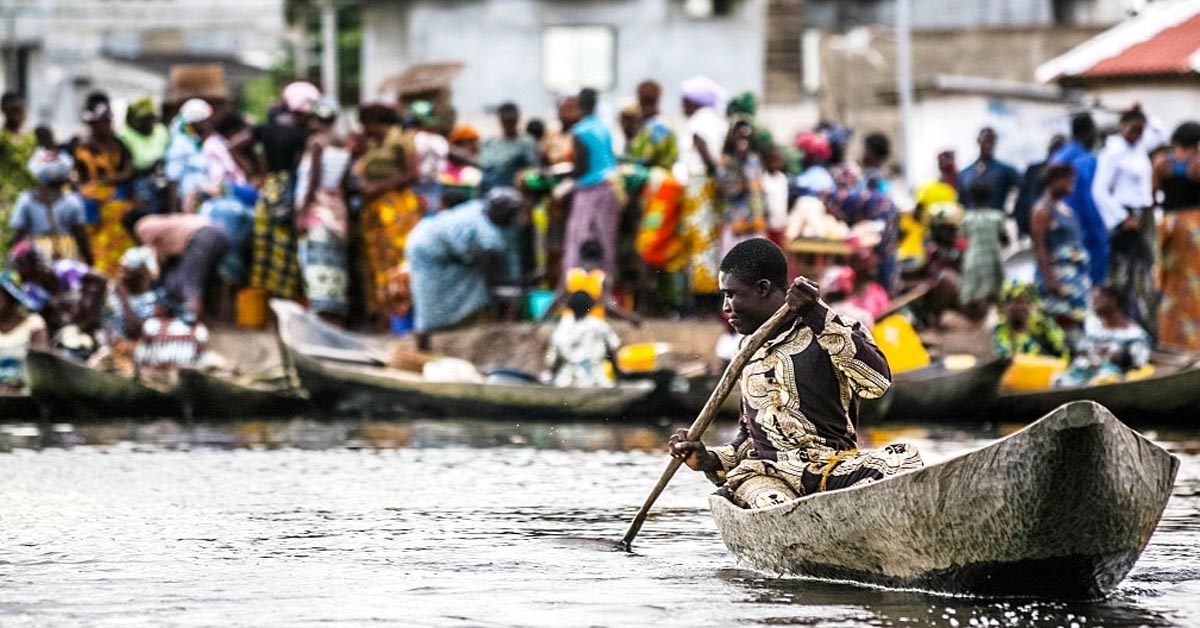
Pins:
<point x="14" y="114"/>
<point x="1132" y="131"/>
<point x="987" y="143"/>
<point x="509" y="121"/>
<point x="748" y="306"/>
<point x="945" y="160"/>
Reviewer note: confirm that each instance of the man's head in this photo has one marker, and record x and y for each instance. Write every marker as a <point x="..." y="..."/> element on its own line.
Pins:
<point x="1133" y="124"/>
<point x="979" y="194"/>
<point x="503" y="204"/>
<point x="591" y="253"/>
<point x="580" y="303"/>
<point x="1083" y="129"/>
<point x="97" y="114"/>
<point x="588" y="98"/>
<point x="510" y="119"/>
<point x="945" y="161"/>
<point x="1186" y="135"/>
<point x="377" y="119"/>
<point x="753" y="281"/>
<point x="987" y="142"/>
<point x="648" y="95"/>
<point x="569" y="112"/>
<point x="12" y="105"/>
<point x="1017" y="302"/>
<point x="876" y="150"/>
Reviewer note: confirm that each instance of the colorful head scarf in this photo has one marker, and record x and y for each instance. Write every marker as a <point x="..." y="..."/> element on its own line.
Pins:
<point x="12" y="284"/>
<point x="743" y="105"/>
<point x="814" y="145"/>
<point x="51" y="166"/>
<point x="422" y="112"/>
<point x="463" y="133"/>
<point x="300" y="96"/>
<point x="142" y="107"/>
<point x="195" y="110"/>
<point x="1013" y="290"/>
<point x="704" y="92"/>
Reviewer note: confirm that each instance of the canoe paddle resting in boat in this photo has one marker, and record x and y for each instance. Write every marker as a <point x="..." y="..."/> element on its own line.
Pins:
<point x="800" y="392"/>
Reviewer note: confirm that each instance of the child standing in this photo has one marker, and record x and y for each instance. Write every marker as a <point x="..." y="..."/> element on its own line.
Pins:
<point x="590" y="278"/>
<point x="581" y="347"/>
<point x="983" y="264"/>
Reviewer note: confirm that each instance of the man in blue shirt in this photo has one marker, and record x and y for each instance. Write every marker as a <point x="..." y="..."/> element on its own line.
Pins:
<point x="999" y="176"/>
<point x="1078" y="153"/>
<point x="595" y="211"/>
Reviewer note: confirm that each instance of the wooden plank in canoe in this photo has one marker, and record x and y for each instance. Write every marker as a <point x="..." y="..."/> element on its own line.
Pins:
<point x="1060" y="509"/>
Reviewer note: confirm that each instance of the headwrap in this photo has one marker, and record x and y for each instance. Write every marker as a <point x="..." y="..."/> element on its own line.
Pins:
<point x="704" y="92"/>
<point x="814" y="145"/>
<point x="463" y="133"/>
<point x="326" y="108"/>
<point x="744" y="105"/>
<point x="505" y="196"/>
<point x="99" y="111"/>
<point x="195" y="110"/>
<point x="12" y="284"/>
<point x="142" y="107"/>
<point x="140" y="258"/>
<point x="300" y="96"/>
<point x="1014" y="289"/>
<point x="50" y="166"/>
<point x="839" y="135"/>
<point x="631" y="108"/>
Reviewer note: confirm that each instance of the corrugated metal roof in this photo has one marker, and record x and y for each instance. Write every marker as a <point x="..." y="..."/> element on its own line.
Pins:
<point x="1170" y="51"/>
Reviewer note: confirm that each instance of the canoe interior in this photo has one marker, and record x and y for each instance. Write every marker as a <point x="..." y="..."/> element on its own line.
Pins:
<point x="1061" y="509"/>
<point x="935" y="393"/>
<point x="1171" y="397"/>
<point x="66" y="389"/>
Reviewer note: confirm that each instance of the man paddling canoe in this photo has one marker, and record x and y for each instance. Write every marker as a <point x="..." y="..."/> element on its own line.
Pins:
<point x="800" y="392"/>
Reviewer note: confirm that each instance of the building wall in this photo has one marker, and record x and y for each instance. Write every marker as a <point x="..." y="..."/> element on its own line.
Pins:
<point x="1167" y="103"/>
<point x="69" y="39"/>
<point x="500" y="42"/>
<point x="956" y="14"/>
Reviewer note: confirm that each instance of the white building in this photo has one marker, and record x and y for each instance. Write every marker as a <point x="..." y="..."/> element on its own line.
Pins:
<point x="56" y="51"/>
<point x="1153" y="59"/>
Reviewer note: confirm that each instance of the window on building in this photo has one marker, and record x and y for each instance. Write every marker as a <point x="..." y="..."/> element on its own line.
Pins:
<point x="1064" y="12"/>
<point x="574" y="57"/>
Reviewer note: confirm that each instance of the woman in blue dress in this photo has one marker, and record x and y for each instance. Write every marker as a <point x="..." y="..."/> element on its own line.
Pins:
<point x="1062" y="262"/>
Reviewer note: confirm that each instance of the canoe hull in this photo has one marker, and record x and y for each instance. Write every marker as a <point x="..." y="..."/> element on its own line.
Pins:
<point x="354" y="390"/>
<point x="935" y="394"/>
<point x="1162" y="399"/>
<point x="1061" y="509"/>
<point x="66" y="389"/>
<point x="207" y="397"/>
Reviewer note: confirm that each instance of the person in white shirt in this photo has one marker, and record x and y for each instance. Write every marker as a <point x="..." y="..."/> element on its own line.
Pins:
<point x="699" y="149"/>
<point x="1123" y="196"/>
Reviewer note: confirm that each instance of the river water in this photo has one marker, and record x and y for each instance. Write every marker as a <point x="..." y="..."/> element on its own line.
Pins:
<point x="450" y="523"/>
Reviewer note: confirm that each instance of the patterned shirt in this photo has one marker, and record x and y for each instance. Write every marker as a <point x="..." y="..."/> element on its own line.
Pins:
<point x="654" y="145"/>
<point x="1041" y="336"/>
<point x="800" y="396"/>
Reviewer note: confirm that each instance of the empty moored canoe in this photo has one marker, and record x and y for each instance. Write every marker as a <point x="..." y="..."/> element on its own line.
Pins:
<point x="344" y="374"/>
<point x="1167" y="398"/>
<point x="67" y="389"/>
<point x="209" y="397"/>
<point x="936" y="393"/>
<point x="1060" y="509"/>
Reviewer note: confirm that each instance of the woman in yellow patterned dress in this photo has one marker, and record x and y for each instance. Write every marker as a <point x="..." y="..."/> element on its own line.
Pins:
<point x="390" y="208"/>
<point x="104" y="167"/>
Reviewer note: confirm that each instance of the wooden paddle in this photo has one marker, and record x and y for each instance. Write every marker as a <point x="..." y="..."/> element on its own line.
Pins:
<point x="709" y="412"/>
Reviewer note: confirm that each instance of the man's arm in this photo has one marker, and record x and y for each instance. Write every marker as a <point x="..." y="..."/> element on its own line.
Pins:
<point x="852" y="351"/>
<point x="1110" y="209"/>
<point x="715" y="462"/>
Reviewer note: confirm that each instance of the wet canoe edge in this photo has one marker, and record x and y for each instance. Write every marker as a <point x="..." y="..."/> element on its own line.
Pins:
<point x="1169" y="399"/>
<point x="209" y="398"/>
<point x="65" y="389"/>
<point x="937" y="395"/>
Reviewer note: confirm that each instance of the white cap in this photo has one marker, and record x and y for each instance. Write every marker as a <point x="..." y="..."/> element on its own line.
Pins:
<point x="195" y="110"/>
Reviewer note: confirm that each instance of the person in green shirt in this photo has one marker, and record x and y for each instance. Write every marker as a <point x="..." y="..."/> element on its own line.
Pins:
<point x="16" y="149"/>
<point x="146" y="138"/>
<point x="1021" y="327"/>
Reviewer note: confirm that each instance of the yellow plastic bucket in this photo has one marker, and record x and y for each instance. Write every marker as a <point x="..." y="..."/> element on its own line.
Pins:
<point x="900" y="344"/>
<point x="251" y="308"/>
<point x="1032" y="372"/>
<point x="642" y="357"/>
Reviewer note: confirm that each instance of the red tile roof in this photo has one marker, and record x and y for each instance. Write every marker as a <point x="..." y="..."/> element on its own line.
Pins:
<point x="1167" y="52"/>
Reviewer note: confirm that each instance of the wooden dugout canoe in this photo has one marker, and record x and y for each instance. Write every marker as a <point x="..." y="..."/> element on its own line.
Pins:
<point x="207" y="396"/>
<point x="1165" y="398"/>
<point x="1060" y="509"/>
<point x="343" y="374"/>
<point x="935" y="393"/>
<point x="67" y="389"/>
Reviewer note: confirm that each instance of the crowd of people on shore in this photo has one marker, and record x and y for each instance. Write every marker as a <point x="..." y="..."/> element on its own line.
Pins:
<point x="124" y="241"/>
